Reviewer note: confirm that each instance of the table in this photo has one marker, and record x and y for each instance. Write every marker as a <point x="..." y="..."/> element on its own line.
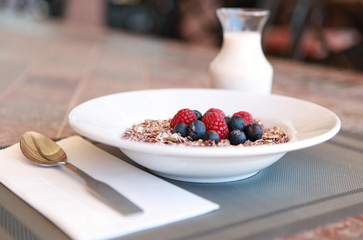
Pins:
<point x="49" y="67"/>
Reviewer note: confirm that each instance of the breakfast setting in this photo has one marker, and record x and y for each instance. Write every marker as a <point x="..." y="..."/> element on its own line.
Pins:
<point x="181" y="120"/>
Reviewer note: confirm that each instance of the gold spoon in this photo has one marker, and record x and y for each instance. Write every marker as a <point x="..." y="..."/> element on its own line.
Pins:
<point x="45" y="152"/>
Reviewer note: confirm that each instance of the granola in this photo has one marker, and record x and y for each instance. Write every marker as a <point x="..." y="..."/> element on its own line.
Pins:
<point x="160" y="132"/>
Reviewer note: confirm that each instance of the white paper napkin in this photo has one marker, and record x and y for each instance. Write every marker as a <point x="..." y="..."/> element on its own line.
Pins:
<point x="63" y="198"/>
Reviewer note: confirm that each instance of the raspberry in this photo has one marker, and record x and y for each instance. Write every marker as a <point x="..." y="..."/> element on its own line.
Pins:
<point x="185" y="115"/>
<point x="215" y="110"/>
<point x="214" y="121"/>
<point x="247" y="116"/>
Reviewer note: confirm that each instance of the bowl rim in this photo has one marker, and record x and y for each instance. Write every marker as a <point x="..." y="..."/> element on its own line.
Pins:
<point x="210" y="152"/>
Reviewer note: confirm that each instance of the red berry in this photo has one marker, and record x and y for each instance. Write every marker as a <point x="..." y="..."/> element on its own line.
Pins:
<point x="185" y="115"/>
<point x="214" y="121"/>
<point x="247" y="116"/>
<point x="216" y="110"/>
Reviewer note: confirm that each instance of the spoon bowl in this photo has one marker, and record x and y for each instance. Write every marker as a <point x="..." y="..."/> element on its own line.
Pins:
<point x="45" y="152"/>
<point x="42" y="150"/>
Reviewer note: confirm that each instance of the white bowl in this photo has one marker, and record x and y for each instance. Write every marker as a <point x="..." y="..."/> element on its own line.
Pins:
<point x="104" y="119"/>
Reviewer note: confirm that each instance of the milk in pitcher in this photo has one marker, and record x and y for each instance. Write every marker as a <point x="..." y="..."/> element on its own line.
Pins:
<point x="241" y="63"/>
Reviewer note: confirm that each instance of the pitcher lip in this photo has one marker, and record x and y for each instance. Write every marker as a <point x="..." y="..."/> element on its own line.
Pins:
<point x="246" y="11"/>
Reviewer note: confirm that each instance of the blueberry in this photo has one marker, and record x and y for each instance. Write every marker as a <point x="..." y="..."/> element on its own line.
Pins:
<point x="211" y="136"/>
<point x="253" y="131"/>
<point x="236" y="123"/>
<point x="237" y="137"/>
<point x="181" y="128"/>
<point x="227" y="119"/>
<point x="196" y="130"/>
<point x="198" y="114"/>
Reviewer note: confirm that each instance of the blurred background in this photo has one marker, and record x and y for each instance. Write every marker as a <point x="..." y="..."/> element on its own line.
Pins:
<point x="327" y="32"/>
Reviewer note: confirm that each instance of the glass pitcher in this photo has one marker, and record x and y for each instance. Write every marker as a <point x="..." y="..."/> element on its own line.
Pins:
<point x="241" y="63"/>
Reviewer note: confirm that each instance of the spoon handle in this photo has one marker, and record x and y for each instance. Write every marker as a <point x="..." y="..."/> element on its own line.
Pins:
<point x="106" y="193"/>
